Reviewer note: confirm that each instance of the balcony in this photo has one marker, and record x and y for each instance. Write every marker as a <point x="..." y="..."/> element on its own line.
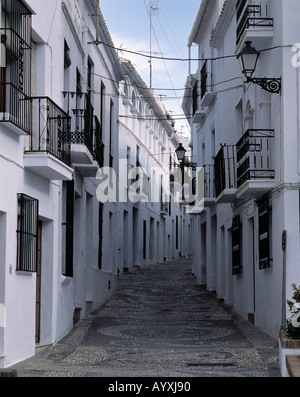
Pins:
<point x="164" y="209"/>
<point x="207" y="97"/>
<point x="14" y="109"/>
<point x="225" y="174"/>
<point x="15" y="85"/>
<point x="82" y="136"/>
<point x="255" y="172"/>
<point x="254" y="23"/>
<point x="48" y="153"/>
<point x="209" y="186"/>
<point x="198" y="114"/>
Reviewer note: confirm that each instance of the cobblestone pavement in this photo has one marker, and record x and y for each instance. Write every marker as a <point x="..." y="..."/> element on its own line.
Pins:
<point x="160" y="323"/>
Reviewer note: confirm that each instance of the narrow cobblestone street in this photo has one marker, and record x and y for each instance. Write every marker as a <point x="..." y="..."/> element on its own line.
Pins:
<point x="160" y="323"/>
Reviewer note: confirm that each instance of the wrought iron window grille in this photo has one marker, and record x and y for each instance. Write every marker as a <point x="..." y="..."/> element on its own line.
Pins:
<point x="27" y="233"/>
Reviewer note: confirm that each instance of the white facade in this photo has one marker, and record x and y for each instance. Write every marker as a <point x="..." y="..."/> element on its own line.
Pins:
<point x="57" y="127"/>
<point x="250" y="138"/>
<point x="153" y="224"/>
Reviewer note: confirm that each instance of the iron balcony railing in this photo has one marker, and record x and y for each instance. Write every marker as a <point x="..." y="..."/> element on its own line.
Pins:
<point x="255" y="156"/>
<point x="99" y="146"/>
<point x="82" y="120"/>
<point x="225" y="169"/>
<point x="251" y="16"/>
<point x="50" y="126"/>
<point x="85" y="127"/>
<point x="15" y="107"/>
<point x="209" y="181"/>
<point x="15" y="33"/>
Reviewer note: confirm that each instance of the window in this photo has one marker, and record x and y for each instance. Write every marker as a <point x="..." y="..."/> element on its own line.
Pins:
<point x="195" y="98"/>
<point x="102" y="105"/>
<point x="69" y="228"/>
<point x="111" y="137"/>
<point x="203" y="79"/>
<point x="90" y="83"/>
<point x="213" y="143"/>
<point x="27" y="233"/>
<point x="144" y="240"/>
<point x="236" y="245"/>
<point x="78" y="82"/>
<point x="100" y="234"/>
<point x="264" y="234"/>
<point x="67" y="58"/>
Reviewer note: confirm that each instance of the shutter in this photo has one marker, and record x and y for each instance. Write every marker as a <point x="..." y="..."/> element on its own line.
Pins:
<point x="264" y="235"/>
<point x="69" y="227"/>
<point x="236" y="245"/>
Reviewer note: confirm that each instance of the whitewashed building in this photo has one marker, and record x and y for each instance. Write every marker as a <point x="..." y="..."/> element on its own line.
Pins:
<point x="247" y="138"/>
<point x="154" y="226"/>
<point x="58" y="126"/>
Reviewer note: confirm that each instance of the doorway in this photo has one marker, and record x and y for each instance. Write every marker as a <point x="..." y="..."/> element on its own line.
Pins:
<point x="38" y="285"/>
<point x="251" y="257"/>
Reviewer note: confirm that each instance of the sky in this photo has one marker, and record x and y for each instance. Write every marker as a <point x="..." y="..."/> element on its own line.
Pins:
<point x="128" y="22"/>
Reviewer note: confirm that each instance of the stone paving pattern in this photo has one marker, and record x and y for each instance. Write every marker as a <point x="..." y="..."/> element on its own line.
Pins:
<point x="159" y="323"/>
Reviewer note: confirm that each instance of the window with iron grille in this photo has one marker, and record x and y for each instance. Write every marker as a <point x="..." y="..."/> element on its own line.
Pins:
<point x="264" y="234"/>
<point x="27" y="233"/>
<point x="236" y="245"/>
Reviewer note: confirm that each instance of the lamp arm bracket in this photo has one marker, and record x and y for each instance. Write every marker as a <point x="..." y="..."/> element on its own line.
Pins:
<point x="268" y="84"/>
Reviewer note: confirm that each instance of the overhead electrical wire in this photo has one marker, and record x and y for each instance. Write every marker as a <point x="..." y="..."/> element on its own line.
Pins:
<point x="182" y="59"/>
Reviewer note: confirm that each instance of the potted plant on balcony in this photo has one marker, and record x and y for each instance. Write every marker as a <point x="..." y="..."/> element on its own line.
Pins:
<point x="293" y="323"/>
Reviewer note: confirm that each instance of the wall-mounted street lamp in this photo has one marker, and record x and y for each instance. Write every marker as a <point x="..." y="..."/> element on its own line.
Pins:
<point x="248" y="60"/>
<point x="184" y="162"/>
<point x="180" y="152"/>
